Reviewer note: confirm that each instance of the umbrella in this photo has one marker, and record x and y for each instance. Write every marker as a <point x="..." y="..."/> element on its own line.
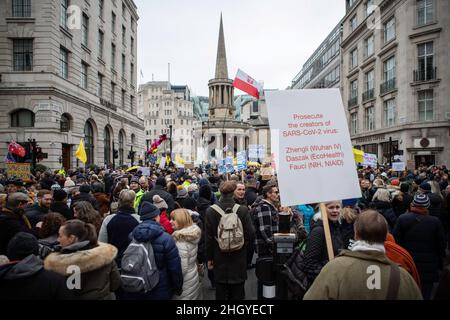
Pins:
<point x="133" y="168"/>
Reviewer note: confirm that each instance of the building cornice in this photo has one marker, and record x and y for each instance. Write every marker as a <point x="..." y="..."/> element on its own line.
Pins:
<point x="133" y="8"/>
<point x="388" y="47"/>
<point x="425" y="33"/>
<point x="138" y="123"/>
<point x="368" y="62"/>
<point x="355" y="33"/>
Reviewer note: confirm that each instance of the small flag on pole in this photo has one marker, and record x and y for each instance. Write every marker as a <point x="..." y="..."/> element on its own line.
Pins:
<point x="81" y="152"/>
<point x="247" y="84"/>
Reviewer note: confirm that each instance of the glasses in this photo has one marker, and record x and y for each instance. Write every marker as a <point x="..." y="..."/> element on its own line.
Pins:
<point x="276" y="192"/>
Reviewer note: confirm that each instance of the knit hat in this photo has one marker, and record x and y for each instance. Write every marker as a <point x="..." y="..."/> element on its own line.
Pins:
<point x="55" y="186"/>
<point x="425" y="186"/>
<point x="148" y="211"/>
<point x="161" y="181"/>
<point x="21" y="246"/>
<point x="59" y="195"/>
<point x="159" y="202"/>
<point x="182" y="193"/>
<point x="395" y="182"/>
<point x="189" y="203"/>
<point x="421" y="200"/>
<point x="69" y="183"/>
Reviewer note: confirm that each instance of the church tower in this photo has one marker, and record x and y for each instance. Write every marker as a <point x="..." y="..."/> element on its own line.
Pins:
<point x="221" y="89"/>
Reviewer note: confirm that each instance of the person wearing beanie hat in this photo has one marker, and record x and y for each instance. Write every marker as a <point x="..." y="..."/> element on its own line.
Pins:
<point x="422" y="235"/>
<point x="69" y="183"/>
<point x="59" y="204"/>
<point x="166" y="255"/>
<point x="159" y="189"/>
<point x="436" y="200"/>
<point x="24" y="277"/>
<point x="164" y="219"/>
<point x="425" y="187"/>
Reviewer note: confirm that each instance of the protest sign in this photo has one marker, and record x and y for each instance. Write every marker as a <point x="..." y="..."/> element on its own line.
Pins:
<point x="221" y="167"/>
<point x="241" y="160"/>
<point x="18" y="170"/>
<point x="145" y="171"/>
<point x="313" y="149"/>
<point x="162" y="163"/>
<point x="370" y="159"/>
<point x="398" y="166"/>
<point x="229" y="164"/>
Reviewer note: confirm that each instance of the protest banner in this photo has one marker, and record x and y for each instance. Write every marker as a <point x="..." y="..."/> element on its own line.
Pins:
<point x="241" y="160"/>
<point x="229" y="165"/>
<point x="19" y="170"/>
<point x="398" y="166"/>
<point x="221" y="167"/>
<point x="370" y="159"/>
<point x="162" y="163"/>
<point x="313" y="149"/>
<point x="145" y="171"/>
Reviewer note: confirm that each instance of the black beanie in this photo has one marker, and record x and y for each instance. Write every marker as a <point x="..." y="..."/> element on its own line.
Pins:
<point x="59" y="195"/>
<point x="21" y="246"/>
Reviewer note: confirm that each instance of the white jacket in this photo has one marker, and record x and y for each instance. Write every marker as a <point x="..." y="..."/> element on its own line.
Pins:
<point x="187" y="240"/>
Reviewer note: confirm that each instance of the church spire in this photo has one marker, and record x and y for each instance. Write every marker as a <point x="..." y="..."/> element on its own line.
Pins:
<point x="221" y="62"/>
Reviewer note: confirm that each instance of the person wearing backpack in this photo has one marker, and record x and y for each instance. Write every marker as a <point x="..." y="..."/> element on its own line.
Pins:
<point x="165" y="254"/>
<point x="228" y="228"/>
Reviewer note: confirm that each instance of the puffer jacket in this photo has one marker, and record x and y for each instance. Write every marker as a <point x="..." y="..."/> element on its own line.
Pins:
<point x="187" y="240"/>
<point x="99" y="274"/>
<point x="167" y="260"/>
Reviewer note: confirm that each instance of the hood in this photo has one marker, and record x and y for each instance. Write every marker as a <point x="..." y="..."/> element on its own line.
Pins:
<point x="22" y="269"/>
<point x="86" y="260"/>
<point x="188" y="234"/>
<point x="147" y="231"/>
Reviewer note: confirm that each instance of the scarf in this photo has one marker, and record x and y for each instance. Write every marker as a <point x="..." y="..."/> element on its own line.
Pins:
<point x="361" y="245"/>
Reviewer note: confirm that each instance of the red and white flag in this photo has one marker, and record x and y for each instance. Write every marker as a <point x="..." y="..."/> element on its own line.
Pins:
<point x="247" y="84"/>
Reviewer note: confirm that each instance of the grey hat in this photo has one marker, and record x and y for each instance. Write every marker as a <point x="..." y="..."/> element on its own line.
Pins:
<point x="159" y="202"/>
<point x="15" y="198"/>
<point x="148" y="211"/>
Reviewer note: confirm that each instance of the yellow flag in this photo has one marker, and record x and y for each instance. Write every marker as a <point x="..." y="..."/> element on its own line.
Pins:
<point x="81" y="152"/>
<point x="358" y="154"/>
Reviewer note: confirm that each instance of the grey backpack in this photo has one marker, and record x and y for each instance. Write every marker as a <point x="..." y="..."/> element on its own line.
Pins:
<point x="139" y="273"/>
<point x="230" y="233"/>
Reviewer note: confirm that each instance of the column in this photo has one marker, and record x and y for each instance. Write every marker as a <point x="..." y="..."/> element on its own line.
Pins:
<point x="225" y="91"/>
<point x="241" y="146"/>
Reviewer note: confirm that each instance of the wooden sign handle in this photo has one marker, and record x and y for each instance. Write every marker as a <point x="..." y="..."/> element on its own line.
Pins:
<point x="243" y="175"/>
<point x="326" y="227"/>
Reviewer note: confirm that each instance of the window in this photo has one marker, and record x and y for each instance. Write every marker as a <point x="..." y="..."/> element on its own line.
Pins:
<point x="23" y="54"/>
<point x="154" y="131"/>
<point x="389" y="113"/>
<point x="101" y="36"/>
<point x="426" y="102"/>
<point x="85" y="30"/>
<point x="389" y="69"/>
<point x="113" y="22"/>
<point x="22" y="118"/>
<point x="154" y="122"/>
<point x="113" y="56"/>
<point x="100" y="85"/>
<point x="101" y="7"/>
<point x="132" y="24"/>
<point x="89" y="142"/>
<point x="369" y="7"/>
<point x="132" y="45"/>
<point x="369" y="44"/>
<point x="123" y="99"/>
<point x="132" y="104"/>
<point x="389" y="30"/>
<point x="426" y="61"/>
<point x="353" y="22"/>
<point x="64" y="123"/>
<point x="425" y="11"/>
<point x="21" y="8"/>
<point x="121" y="147"/>
<point x="370" y="77"/>
<point x="113" y="92"/>
<point x="181" y="121"/>
<point x="64" y="6"/>
<point x="255" y="107"/>
<point x="63" y="63"/>
<point x="84" y="75"/>
<point x="353" y="58"/>
<point x="107" y="146"/>
<point x="354" y="123"/>
<point x="124" y="33"/>
<point x="370" y="118"/>
<point x="332" y="77"/>
<point x="131" y="73"/>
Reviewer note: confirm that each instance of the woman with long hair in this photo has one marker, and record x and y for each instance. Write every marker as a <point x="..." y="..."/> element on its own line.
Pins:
<point x="84" y="211"/>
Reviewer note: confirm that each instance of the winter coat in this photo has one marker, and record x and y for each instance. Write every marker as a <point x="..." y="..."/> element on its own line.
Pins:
<point x="423" y="237"/>
<point x="165" y="222"/>
<point x="316" y="255"/>
<point x="159" y="190"/>
<point x="202" y="205"/>
<point x="12" y="222"/>
<point x="47" y="246"/>
<point x="187" y="240"/>
<point x="99" y="274"/>
<point x="400" y="256"/>
<point x="346" y="278"/>
<point x="167" y="260"/>
<point x="251" y="194"/>
<point x="436" y="204"/>
<point x="103" y="202"/>
<point x="400" y="204"/>
<point x="137" y="200"/>
<point x="62" y="208"/>
<point x="265" y="220"/>
<point x="116" y="228"/>
<point x="36" y="213"/>
<point x="443" y="289"/>
<point x="27" y="280"/>
<point x="229" y="267"/>
<point x="385" y="208"/>
<point x="201" y="254"/>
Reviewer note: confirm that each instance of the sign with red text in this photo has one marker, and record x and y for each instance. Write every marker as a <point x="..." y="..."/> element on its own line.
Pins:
<point x="312" y="147"/>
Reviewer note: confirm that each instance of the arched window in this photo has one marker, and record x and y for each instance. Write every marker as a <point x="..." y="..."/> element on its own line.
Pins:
<point x="121" y="147"/>
<point x="107" y="145"/>
<point x="89" y="142"/>
<point x="22" y="118"/>
<point x="65" y="123"/>
<point x="133" y="139"/>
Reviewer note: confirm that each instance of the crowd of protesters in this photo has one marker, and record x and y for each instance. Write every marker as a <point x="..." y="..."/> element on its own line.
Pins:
<point x="89" y="218"/>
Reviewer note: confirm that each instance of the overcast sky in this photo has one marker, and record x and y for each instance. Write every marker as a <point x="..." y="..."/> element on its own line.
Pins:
<point x="270" y="40"/>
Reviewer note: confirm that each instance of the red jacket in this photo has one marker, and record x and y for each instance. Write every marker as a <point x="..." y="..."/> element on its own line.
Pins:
<point x="165" y="222"/>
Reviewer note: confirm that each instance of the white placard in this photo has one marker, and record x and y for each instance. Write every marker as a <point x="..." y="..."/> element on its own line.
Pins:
<point x="145" y="171"/>
<point x="370" y="159"/>
<point x="162" y="164"/>
<point x="398" y="166"/>
<point x="313" y="152"/>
